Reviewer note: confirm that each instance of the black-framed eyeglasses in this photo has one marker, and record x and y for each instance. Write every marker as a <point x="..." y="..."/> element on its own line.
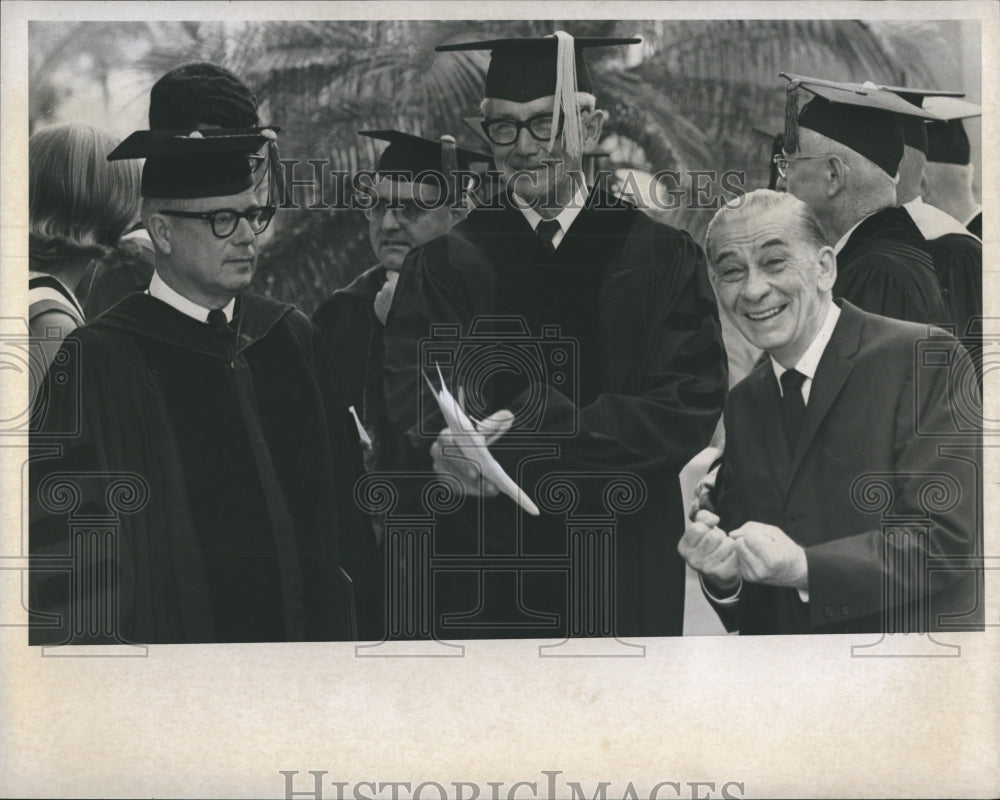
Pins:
<point x="405" y="210"/>
<point x="781" y="161"/>
<point x="506" y="131"/>
<point x="225" y="220"/>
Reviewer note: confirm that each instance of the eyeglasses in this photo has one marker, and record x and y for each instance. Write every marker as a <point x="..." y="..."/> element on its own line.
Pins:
<point x="405" y="210"/>
<point x="506" y="131"/>
<point x="782" y="161"/>
<point x="225" y="220"/>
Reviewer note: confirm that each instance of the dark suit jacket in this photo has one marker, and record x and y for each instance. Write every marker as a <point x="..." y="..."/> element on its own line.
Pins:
<point x="886" y="474"/>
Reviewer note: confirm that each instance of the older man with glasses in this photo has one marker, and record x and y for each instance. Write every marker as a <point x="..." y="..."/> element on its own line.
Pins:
<point x="591" y="332"/>
<point x="219" y="405"/>
<point x="841" y="157"/>
<point x="416" y="195"/>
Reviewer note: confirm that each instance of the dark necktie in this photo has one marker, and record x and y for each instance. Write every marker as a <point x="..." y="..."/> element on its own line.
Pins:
<point x="792" y="403"/>
<point x="217" y="322"/>
<point x="546" y="230"/>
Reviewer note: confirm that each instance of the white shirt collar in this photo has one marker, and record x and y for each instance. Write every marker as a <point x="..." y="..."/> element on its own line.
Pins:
<point x="809" y="361"/>
<point x="933" y="222"/>
<point x="974" y="214"/>
<point x="565" y="217"/>
<point x="160" y="290"/>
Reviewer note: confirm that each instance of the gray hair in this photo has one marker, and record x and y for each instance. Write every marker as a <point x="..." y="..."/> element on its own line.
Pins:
<point x="760" y="202"/>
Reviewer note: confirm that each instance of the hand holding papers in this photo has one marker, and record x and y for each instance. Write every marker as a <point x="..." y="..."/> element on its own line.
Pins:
<point x="472" y="440"/>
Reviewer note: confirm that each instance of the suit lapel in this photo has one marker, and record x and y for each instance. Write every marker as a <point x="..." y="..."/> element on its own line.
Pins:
<point x="831" y="374"/>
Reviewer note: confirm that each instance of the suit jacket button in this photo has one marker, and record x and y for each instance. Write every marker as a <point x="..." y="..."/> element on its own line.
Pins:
<point x="828" y="611"/>
<point x="845" y="610"/>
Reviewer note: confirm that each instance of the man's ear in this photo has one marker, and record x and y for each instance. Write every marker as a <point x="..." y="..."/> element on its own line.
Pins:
<point x="827" y="261"/>
<point x="160" y="232"/>
<point x="836" y="177"/>
<point x="592" y="128"/>
<point x="925" y="189"/>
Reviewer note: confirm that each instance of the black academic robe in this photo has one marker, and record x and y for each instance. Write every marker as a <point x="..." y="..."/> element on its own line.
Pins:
<point x="353" y="337"/>
<point x="958" y="261"/>
<point x="883" y="268"/>
<point x="239" y="528"/>
<point x="975" y="226"/>
<point x="890" y="442"/>
<point x="609" y="353"/>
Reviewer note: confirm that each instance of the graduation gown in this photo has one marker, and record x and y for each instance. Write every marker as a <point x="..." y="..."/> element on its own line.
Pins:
<point x="958" y="261"/>
<point x="609" y="353"/>
<point x="883" y="268"/>
<point x="353" y="336"/>
<point x="241" y="451"/>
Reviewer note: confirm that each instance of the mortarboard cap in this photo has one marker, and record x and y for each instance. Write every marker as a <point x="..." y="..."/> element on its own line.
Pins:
<point x="415" y="154"/>
<point x="947" y="141"/>
<point x="914" y="128"/>
<point x="522" y="70"/>
<point x="860" y="116"/>
<point x="190" y="164"/>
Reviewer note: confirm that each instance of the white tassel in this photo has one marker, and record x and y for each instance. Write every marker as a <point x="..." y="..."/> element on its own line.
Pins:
<point x="565" y="102"/>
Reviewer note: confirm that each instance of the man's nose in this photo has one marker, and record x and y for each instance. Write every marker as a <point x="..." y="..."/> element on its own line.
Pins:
<point x="244" y="233"/>
<point x="525" y="142"/>
<point x="390" y="220"/>
<point x="756" y="286"/>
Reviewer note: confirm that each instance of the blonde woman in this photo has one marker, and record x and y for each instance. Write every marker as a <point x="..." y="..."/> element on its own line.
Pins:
<point x="80" y="204"/>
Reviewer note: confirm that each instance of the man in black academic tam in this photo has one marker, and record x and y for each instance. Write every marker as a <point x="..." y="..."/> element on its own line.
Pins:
<point x="221" y="400"/>
<point x="842" y="155"/>
<point x="635" y="388"/>
<point x="190" y="97"/>
<point x="949" y="175"/>
<point x="957" y="254"/>
<point x="415" y="193"/>
<point x="911" y="167"/>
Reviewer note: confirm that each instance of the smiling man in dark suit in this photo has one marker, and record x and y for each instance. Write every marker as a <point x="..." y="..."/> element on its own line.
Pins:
<point x="847" y="410"/>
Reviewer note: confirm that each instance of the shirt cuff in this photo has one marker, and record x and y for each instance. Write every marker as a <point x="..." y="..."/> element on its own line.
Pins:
<point x="803" y="595"/>
<point x="731" y="599"/>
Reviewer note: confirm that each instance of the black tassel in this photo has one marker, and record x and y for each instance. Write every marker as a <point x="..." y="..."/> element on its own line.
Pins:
<point x="791" y="143"/>
<point x="275" y="176"/>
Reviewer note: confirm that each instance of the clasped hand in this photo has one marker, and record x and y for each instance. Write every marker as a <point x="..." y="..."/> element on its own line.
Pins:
<point x="756" y="552"/>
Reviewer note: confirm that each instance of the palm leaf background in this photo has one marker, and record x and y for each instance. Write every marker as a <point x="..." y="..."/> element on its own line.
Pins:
<point x="696" y="95"/>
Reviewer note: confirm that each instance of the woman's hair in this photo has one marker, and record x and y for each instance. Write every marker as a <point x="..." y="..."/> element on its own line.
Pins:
<point x="77" y="199"/>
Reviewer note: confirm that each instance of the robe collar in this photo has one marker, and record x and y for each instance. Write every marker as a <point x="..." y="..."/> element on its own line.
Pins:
<point x="144" y="315"/>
